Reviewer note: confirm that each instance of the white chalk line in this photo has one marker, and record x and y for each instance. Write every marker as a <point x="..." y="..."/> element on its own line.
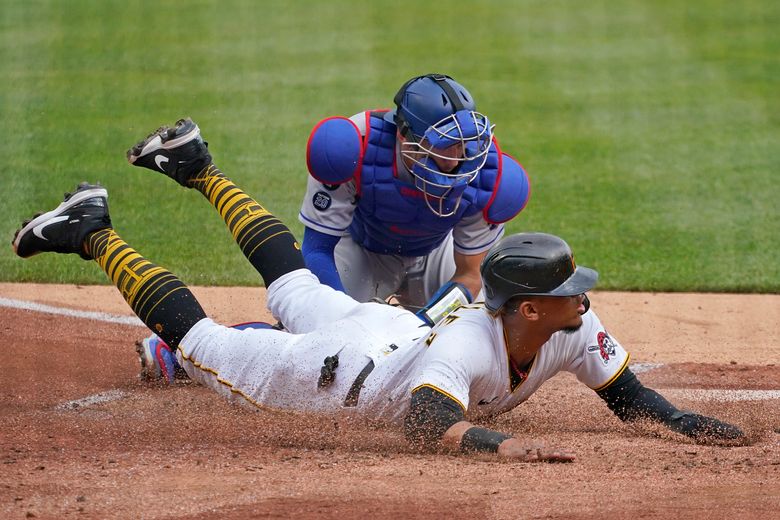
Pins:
<point x="641" y="367"/>
<point x="691" y="394"/>
<point x="701" y="394"/>
<point x="113" y="395"/>
<point x="90" y="400"/>
<point x="102" y="397"/>
<point x="698" y="394"/>
<point x="62" y="311"/>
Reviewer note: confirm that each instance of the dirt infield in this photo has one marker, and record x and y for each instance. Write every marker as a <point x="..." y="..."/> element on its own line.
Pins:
<point x="81" y="437"/>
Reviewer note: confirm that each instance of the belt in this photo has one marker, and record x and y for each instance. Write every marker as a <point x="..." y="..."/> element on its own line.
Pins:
<point x="328" y="374"/>
<point x="357" y="386"/>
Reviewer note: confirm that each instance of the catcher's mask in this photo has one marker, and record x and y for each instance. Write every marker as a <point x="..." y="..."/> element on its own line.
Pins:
<point x="437" y="118"/>
<point x="532" y="264"/>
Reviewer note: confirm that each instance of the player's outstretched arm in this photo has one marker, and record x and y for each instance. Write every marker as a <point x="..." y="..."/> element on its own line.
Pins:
<point x="464" y="436"/>
<point x="436" y="421"/>
<point x="630" y="401"/>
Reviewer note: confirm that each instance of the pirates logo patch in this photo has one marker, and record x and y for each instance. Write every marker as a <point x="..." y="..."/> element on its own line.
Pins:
<point x="605" y="348"/>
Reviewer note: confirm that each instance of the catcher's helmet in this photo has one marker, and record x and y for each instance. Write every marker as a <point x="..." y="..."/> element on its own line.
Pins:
<point x="434" y="113"/>
<point x="532" y="264"/>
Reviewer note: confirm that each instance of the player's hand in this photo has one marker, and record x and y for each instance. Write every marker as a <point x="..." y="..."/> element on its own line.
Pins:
<point x="534" y="452"/>
<point x="704" y="429"/>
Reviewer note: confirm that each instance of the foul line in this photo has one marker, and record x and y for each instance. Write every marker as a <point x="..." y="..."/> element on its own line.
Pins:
<point x="705" y="394"/>
<point x="103" y="397"/>
<point x="48" y="309"/>
<point x="693" y="394"/>
<point x="641" y="367"/>
<point x="697" y="394"/>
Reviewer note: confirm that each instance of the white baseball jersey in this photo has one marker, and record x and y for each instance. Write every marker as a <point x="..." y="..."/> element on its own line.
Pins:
<point x="467" y="360"/>
<point x="329" y="209"/>
<point x="464" y="356"/>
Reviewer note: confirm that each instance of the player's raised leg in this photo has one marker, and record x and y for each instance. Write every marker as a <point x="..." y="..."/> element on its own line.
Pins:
<point x="238" y="363"/>
<point x="180" y="153"/>
<point x="81" y="225"/>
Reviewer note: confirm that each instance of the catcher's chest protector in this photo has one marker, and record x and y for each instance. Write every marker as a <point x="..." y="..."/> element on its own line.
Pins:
<point x="391" y="215"/>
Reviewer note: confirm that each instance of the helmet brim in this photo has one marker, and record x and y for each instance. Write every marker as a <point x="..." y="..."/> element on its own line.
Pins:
<point x="389" y="116"/>
<point x="582" y="281"/>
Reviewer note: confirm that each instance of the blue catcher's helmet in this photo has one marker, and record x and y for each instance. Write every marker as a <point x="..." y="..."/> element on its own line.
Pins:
<point x="437" y="118"/>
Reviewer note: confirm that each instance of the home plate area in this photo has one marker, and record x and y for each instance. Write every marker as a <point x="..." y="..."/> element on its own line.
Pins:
<point x="82" y="437"/>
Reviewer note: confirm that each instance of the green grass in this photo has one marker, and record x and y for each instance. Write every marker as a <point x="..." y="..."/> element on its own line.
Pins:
<point x="651" y="130"/>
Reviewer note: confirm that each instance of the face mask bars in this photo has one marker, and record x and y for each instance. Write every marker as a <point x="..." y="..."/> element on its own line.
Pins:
<point x="474" y="142"/>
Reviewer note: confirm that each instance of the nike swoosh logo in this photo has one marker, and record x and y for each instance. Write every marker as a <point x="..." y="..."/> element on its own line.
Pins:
<point x="159" y="160"/>
<point x="38" y="230"/>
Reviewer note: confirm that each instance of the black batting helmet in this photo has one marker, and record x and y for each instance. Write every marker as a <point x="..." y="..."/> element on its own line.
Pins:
<point x="532" y="264"/>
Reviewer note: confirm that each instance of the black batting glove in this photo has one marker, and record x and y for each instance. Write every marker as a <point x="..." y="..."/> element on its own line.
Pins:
<point x="701" y="427"/>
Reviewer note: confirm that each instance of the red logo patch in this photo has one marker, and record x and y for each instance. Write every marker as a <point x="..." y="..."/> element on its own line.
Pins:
<point x="605" y="348"/>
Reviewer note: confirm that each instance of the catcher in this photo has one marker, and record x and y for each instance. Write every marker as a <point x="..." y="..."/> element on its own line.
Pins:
<point x="406" y="202"/>
<point x="367" y="359"/>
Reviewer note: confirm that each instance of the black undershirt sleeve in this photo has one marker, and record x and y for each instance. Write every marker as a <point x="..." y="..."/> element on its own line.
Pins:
<point x="629" y="400"/>
<point x="430" y="415"/>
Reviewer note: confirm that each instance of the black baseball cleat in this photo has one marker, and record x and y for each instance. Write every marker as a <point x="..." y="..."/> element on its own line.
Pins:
<point x="63" y="229"/>
<point x="178" y="152"/>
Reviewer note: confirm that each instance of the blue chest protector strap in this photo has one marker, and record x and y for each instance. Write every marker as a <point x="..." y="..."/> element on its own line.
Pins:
<point x="317" y="249"/>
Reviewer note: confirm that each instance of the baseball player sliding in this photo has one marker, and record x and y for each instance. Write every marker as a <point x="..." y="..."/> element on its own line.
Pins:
<point x="369" y="359"/>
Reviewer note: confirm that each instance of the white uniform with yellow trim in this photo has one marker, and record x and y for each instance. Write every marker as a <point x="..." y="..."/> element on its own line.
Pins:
<point x="464" y="356"/>
<point x="467" y="360"/>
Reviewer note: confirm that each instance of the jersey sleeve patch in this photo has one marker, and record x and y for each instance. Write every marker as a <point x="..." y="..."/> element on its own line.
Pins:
<point x="321" y="200"/>
<point x="593" y="355"/>
<point x="607" y="360"/>
<point x="325" y="210"/>
<point x="334" y="153"/>
<point x="605" y="347"/>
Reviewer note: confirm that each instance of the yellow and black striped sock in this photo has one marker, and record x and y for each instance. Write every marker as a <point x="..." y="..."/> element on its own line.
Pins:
<point x="265" y="241"/>
<point x="156" y="295"/>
